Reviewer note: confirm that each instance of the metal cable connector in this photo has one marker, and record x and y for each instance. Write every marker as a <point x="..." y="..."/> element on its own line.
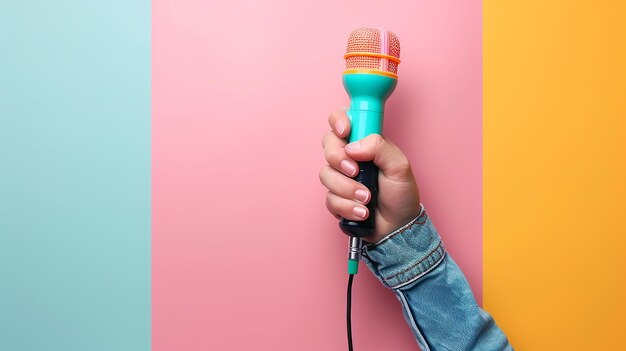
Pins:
<point x="356" y="245"/>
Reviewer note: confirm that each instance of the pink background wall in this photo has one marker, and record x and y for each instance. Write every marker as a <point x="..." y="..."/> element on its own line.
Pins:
<point x="245" y="255"/>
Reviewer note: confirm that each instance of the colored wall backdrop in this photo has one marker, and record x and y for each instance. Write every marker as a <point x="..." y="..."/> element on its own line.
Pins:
<point x="554" y="171"/>
<point x="158" y="170"/>
<point x="245" y="255"/>
<point x="74" y="175"/>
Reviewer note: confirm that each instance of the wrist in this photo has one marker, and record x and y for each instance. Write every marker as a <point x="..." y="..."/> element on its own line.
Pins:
<point x="406" y="254"/>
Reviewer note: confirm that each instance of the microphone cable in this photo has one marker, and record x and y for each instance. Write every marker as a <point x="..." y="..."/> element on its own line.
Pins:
<point x="349" y="312"/>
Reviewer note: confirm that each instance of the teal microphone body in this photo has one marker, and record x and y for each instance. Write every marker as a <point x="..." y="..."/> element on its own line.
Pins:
<point x="370" y="78"/>
<point x="368" y="93"/>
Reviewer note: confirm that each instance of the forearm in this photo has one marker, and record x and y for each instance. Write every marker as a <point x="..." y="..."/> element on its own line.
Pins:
<point x="436" y="299"/>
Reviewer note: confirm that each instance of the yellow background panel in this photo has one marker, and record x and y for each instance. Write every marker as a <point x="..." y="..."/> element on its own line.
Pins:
<point x="555" y="172"/>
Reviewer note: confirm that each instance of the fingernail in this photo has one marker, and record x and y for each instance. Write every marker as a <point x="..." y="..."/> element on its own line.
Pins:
<point x="359" y="211"/>
<point x="353" y="146"/>
<point x="361" y="195"/>
<point x="347" y="167"/>
<point x="340" y="127"/>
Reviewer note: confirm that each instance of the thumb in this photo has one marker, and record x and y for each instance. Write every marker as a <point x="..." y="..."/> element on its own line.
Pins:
<point x="387" y="156"/>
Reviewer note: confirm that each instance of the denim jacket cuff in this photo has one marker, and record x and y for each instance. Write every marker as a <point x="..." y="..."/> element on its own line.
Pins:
<point x="407" y="254"/>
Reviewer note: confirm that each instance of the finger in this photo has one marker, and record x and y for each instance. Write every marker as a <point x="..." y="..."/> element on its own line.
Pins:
<point x="387" y="156"/>
<point x="345" y="208"/>
<point x="340" y="123"/>
<point x="335" y="154"/>
<point x="343" y="186"/>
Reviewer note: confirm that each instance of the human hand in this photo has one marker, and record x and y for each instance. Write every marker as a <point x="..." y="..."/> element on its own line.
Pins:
<point x="398" y="195"/>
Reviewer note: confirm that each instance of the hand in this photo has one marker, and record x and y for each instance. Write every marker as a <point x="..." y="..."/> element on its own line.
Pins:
<point x="398" y="196"/>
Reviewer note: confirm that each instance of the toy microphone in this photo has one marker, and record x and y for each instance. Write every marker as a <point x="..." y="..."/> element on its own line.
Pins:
<point x="372" y="59"/>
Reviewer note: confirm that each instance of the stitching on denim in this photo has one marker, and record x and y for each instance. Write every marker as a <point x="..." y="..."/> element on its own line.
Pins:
<point x="421" y="219"/>
<point x="401" y="285"/>
<point x="439" y="246"/>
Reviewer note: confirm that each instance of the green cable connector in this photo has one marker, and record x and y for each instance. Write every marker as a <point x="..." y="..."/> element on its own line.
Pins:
<point x="353" y="266"/>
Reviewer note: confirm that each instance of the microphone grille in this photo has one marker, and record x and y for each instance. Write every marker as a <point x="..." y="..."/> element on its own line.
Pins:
<point x="373" y="40"/>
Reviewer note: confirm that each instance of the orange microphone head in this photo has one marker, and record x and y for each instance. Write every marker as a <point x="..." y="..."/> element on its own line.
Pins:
<point x="373" y="50"/>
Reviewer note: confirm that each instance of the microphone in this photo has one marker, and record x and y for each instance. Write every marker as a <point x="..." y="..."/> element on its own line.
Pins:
<point x="371" y="75"/>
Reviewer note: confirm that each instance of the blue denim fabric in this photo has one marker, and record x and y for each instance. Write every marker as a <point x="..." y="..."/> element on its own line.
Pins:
<point x="436" y="298"/>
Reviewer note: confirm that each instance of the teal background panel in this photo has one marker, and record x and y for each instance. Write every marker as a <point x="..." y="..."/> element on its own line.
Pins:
<point x="75" y="160"/>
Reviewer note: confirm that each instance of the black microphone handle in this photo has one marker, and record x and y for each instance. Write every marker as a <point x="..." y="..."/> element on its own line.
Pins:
<point x="368" y="176"/>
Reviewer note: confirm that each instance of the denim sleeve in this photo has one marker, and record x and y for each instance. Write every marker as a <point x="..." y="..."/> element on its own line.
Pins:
<point x="436" y="298"/>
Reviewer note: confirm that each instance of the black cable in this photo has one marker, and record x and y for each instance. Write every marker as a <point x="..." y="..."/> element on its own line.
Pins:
<point x="349" y="312"/>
